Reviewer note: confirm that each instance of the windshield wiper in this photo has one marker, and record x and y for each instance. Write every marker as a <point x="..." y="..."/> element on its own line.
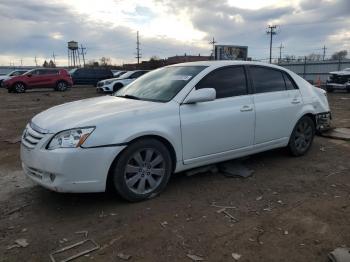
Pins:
<point x="130" y="97"/>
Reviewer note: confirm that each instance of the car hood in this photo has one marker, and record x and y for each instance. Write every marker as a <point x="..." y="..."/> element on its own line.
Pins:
<point x="88" y="112"/>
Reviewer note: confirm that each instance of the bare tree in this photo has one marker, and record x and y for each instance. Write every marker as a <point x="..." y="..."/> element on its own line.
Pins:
<point x="340" y="55"/>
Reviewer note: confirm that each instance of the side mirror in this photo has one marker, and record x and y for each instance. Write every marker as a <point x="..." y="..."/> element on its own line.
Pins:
<point x="201" y="95"/>
<point x="29" y="75"/>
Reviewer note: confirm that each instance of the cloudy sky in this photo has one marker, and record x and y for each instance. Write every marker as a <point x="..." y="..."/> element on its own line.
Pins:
<point x="108" y="28"/>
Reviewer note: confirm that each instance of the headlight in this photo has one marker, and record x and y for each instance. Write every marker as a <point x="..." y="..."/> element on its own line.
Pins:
<point x="70" y="138"/>
<point x="108" y="82"/>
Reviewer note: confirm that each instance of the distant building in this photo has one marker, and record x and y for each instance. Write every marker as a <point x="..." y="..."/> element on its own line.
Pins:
<point x="186" y="58"/>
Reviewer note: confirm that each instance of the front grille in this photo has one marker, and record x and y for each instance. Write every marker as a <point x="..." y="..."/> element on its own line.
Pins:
<point x="31" y="137"/>
<point x="100" y="84"/>
<point x="339" y="79"/>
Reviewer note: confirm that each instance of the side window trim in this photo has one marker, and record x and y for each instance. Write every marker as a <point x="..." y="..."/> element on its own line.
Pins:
<point x="226" y="67"/>
<point x="286" y="75"/>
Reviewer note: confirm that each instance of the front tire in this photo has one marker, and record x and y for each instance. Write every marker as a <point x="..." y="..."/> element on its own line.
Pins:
<point x="302" y="136"/>
<point x="19" y="87"/>
<point x="143" y="170"/>
<point x="116" y="87"/>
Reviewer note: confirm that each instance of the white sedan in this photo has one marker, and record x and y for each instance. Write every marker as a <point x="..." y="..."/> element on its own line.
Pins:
<point x="170" y="120"/>
<point x="114" y="84"/>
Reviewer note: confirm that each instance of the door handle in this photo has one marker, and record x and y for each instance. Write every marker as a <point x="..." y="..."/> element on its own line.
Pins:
<point x="246" y="108"/>
<point x="296" y="101"/>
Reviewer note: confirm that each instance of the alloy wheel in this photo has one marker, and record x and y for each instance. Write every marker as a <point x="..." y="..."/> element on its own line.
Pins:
<point x="144" y="171"/>
<point x="61" y="86"/>
<point x="19" y="87"/>
<point x="303" y="136"/>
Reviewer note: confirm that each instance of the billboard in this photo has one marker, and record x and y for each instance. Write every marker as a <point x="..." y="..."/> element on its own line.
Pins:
<point x="231" y="52"/>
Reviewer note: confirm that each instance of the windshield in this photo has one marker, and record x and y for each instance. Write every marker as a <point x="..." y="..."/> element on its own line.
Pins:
<point x="126" y="75"/>
<point x="29" y="72"/>
<point x="160" y="85"/>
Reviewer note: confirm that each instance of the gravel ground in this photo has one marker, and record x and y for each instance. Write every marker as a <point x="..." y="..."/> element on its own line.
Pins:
<point x="291" y="209"/>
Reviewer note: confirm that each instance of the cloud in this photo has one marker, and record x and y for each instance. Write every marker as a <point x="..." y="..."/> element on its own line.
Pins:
<point x="108" y="28"/>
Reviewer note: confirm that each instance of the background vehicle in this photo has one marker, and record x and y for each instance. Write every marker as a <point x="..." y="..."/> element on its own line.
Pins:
<point x="339" y="80"/>
<point x="170" y="120"/>
<point x="114" y="84"/>
<point x="90" y="76"/>
<point x="11" y="74"/>
<point x="59" y="79"/>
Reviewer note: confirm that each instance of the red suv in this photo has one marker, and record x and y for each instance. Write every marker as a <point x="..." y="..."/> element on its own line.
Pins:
<point x="59" y="79"/>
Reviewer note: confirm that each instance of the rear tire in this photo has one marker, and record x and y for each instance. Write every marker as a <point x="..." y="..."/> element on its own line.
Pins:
<point x="61" y="86"/>
<point x="142" y="171"/>
<point x="19" y="87"/>
<point x="302" y="136"/>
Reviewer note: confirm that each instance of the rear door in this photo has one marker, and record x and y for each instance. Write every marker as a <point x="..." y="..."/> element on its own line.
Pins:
<point x="220" y="126"/>
<point x="51" y="77"/>
<point x="276" y="105"/>
<point x="36" y="79"/>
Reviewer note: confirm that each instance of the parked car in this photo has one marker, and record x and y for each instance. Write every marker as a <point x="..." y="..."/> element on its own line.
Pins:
<point x="114" y="84"/>
<point x="90" y="76"/>
<point x="339" y="80"/>
<point x="169" y="120"/>
<point x="58" y="79"/>
<point x="11" y="74"/>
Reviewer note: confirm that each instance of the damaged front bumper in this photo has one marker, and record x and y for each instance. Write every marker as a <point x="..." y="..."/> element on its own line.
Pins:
<point x="323" y="121"/>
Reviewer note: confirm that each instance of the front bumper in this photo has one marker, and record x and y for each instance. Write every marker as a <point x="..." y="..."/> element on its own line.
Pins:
<point x="323" y="121"/>
<point x="70" y="170"/>
<point x="104" y="88"/>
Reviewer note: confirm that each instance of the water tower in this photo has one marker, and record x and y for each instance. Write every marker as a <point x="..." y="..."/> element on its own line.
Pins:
<point x="73" y="54"/>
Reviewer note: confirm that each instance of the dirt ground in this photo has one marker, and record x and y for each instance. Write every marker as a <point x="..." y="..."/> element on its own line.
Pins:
<point x="291" y="209"/>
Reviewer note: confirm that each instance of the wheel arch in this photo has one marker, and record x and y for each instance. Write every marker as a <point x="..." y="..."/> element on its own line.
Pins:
<point x="309" y="114"/>
<point x="163" y="140"/>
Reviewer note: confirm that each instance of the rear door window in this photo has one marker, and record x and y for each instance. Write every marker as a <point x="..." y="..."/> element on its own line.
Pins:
<point x="267" y="79"/>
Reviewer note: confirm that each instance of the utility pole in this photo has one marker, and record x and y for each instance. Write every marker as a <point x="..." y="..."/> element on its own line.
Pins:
<point x="271" y="31"/>
<point x="83" y="53"/>
<point x="54" y="57"/>
<point x="280" y="47"/>
<point x="21" y="62"/>
<point x="324" y="52"/>
<point x="138" y="54"/>
<point x="36" y="62"/>
<point x="213" y="42"/>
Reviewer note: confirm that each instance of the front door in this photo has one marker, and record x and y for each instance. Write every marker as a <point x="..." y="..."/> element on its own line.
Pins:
<point x="223" y="125"/>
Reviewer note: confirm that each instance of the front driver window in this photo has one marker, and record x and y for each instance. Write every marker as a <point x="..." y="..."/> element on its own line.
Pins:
<point x="228" y="82"/>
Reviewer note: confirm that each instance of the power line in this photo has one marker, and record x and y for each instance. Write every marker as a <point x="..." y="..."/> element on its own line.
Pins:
<point x="138" y="54"/>
<point x="213" y="42"/>
<point x="271" y="31"/>
<point x="83" y="53"/>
